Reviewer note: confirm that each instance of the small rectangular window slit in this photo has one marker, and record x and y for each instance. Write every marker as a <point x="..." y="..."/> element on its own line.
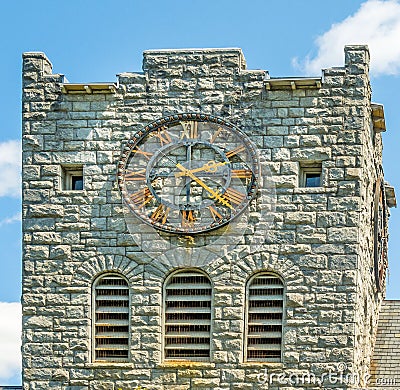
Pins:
<point x="77" y="182"/>
<point x="72" y="178"/>
<point x="310" y="174"/>
<point x="313" y="180"/>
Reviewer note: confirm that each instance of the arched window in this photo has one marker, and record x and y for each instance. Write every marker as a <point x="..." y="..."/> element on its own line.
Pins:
<point x="111" y="319"/>
<point x="265" y="296"/>
<point x="187" y="319"/>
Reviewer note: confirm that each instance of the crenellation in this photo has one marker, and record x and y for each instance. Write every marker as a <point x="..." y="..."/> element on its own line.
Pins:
<point x="36" y="62"/>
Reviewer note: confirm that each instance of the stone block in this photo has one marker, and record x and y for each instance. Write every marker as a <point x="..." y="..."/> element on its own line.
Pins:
<point x="59" y="252"/>
<point x="310" y="154"/>
<point x="205" y="383"/>
<point x="46" y="238"/>
<point x="300" y="218"/>
<point x="310" y="140"/>
<point x="45" y="210"/>
<point x="342" y="234"/>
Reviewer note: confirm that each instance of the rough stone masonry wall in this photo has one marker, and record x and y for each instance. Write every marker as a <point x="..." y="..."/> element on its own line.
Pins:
<point x="72" y="237"/>
<point x="370" y="149"/>
<point x="367" y="146"/>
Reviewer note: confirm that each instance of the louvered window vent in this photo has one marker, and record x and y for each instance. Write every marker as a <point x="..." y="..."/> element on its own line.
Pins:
<point x="264" y="318"/>
<point x="111" y="326"/>
<point x="187" y="316"/>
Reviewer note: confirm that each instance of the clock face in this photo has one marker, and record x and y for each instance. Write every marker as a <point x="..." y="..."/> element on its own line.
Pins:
<point x="380" y="238"/>
<point x="188" y="173"/>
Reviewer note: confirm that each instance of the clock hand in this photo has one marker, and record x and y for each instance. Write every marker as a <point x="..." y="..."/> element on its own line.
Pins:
<point x="210" y="166"/>
<point x="189" y="159"/>
<point x="214" y="194"/>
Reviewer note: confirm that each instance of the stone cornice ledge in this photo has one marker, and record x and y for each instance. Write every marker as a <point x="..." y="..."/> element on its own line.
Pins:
<point x="89" y="88"/>
<point x="292" y="83"/>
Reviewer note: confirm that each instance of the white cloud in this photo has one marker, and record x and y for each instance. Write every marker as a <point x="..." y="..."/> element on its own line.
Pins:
<point x="10" y="340"/>
<point x="14" y="218"/>
<point x="10" y="168"/>
<point x="376" y="23"/>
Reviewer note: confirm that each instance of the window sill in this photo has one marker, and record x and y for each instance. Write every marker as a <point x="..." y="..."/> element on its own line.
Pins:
<point x="109" y="365"/>
<point x="70" y="192"/>
<point x="261" y="364"/>
<point x="314" y="190"/>
<point x="185" y="364"/>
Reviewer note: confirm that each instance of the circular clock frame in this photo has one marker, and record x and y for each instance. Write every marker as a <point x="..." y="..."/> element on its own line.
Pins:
<point x="188" y="173"/>
<point x="380" y="234"/>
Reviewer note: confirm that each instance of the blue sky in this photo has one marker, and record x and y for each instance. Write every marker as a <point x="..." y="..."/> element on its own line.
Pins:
<point x="94" y="40"/>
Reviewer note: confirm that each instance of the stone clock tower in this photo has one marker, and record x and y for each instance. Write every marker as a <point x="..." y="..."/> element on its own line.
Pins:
<point x="202" y="226"/>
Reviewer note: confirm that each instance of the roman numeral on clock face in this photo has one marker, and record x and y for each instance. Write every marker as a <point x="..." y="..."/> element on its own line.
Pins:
<point x="234" y="196"/>
<point x="189" y="129"/>
<point x="141" y="197"/>
<point x="142" y="152"/>
<point x="135" y="175"/>
<point x="237" y="150"/>
<point x="188" y="218"/>
<point x="214" y="213"/>
<point x="216" y="134"/>
<point x="160" y="214"/>
<point x="242" y="173"/>
<point x="163" y="135"/>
